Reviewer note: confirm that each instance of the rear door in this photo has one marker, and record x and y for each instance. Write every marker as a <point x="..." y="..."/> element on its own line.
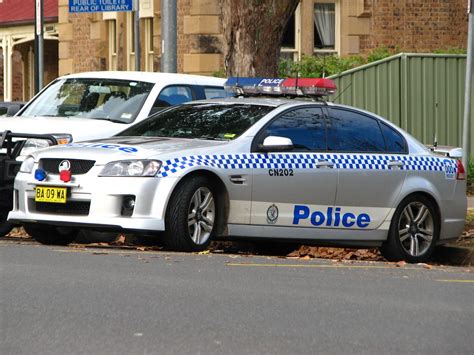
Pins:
<point x="371" y="158"/>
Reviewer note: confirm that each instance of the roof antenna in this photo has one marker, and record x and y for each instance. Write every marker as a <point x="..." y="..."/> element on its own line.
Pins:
<point x="435" y="143"/>
<point x="324" y="66"/>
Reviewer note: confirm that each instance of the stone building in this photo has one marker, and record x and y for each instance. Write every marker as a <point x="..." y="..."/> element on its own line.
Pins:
<point x="105" y="41"/>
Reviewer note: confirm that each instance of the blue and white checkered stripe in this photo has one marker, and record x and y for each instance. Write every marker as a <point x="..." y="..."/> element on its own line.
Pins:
<point x="301" y="161"/>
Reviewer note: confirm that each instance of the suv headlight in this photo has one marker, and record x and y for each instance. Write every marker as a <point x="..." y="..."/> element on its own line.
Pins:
<point x="33" y="144"/>
<point x="131" y="168"/>
<point x="27" y="165"/>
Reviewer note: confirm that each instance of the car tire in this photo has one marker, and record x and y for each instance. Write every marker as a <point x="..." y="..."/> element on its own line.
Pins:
<point x="5" y="226"/>
<point x="51" y="235"/>
<point x="414" y="230"/>
<point x="191" y="216"/>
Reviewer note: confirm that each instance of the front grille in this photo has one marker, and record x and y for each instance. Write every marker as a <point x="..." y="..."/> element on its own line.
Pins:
<point x="78" y="167"/>
<point x="72" y="208"/>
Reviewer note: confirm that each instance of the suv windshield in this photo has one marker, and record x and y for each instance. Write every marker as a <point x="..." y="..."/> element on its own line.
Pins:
<point x="103" y="99"/>
<point x="203" y="121"/>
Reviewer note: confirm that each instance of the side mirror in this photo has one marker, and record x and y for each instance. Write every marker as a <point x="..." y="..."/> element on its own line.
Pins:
<point x="276" y="144"/>
<point x="13" y="109"/>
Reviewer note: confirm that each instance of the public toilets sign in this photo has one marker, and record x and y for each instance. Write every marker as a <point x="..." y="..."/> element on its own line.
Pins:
<point x="100" y="5"/>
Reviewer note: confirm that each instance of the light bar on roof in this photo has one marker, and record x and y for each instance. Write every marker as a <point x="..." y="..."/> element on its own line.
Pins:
<point x="278" y="86"/>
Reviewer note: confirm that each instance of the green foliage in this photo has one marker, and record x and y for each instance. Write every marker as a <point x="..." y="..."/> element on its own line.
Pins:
<point x="451" y="50"/>
<point x="380" y="53"/>
<point x="219" y="74"/>
<point x="470" y="175"/>
<point x="326" y="65"/>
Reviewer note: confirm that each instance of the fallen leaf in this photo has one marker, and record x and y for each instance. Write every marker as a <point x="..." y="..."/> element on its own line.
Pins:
<point x="400" y="263"/>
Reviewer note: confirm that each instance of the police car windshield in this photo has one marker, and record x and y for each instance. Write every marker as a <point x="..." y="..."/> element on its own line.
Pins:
<point x="104" y="99"/>
<point x="201" y="121"/>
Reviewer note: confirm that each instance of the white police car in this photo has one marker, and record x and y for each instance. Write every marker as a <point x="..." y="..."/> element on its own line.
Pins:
<point x="251" y="167"/>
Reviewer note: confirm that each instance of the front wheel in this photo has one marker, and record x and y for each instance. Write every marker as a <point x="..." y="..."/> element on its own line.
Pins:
<point x="414" y="231"/>
<point x="51" y="235"/>
<point x="191" y="216"/>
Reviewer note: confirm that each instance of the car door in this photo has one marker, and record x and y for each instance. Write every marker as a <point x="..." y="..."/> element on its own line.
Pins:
<point x="370" y="156"/>
<point x="289" y="186"/>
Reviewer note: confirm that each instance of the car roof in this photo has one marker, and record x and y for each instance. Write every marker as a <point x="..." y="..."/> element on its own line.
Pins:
<point x="264" y="100"/>
<point x="149" y="77"/>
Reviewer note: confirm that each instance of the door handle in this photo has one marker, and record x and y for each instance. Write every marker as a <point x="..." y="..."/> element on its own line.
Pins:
<point x="324" y="164"/>
<point x="395" y="164"/>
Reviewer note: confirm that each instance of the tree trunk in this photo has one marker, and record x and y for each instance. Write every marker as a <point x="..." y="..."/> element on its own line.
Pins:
<point x="253" y="31"/>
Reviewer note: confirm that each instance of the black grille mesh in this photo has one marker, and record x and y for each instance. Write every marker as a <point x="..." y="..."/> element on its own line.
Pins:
<point x="73" y="208"/>
<point x="78" y="167"/>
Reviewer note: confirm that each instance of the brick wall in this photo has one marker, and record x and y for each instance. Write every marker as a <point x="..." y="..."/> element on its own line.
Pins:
<point x="416" y="25"/>
<point x="183" y="39"/>
<point x="87" y="52"/>
<point x="17" y="87"/>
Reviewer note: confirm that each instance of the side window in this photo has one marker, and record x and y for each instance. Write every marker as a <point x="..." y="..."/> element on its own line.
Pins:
<point x="393" y="140"/>
<point x="174" y="95"/>
<point x="349" y="131"/>
<point x="214" y="92"/>
<point x="305" y="127"/>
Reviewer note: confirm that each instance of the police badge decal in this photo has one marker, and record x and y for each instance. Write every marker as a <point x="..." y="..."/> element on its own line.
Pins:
<point x="272" y="214"/>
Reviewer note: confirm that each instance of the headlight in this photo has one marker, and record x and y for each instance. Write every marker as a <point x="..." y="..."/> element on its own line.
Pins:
<point x="131" y="168"/>
<point x="27" y="165"/>
<point x="33" y="144"/>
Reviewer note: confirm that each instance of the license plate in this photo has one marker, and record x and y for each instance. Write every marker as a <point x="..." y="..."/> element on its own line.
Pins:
<point x="50" y="194"/>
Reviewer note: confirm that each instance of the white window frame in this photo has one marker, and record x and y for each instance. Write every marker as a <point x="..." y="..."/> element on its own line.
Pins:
<point x="112" y="24"/>
<point x="297" y="49"/>
<point x="130" y="39"/>
<point x="337" y="34"/>
<point x="149" y="52"/>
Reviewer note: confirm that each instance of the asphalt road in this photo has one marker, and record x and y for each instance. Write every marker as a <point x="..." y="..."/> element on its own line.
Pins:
<point x="101" y="301"/>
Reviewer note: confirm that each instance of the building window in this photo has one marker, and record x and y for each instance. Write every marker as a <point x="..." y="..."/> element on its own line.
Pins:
<point x="326" y="24"/>
<point x="290" y="44"/>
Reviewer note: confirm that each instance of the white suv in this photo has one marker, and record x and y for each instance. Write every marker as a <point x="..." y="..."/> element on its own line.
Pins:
<point x="89" y="106"/>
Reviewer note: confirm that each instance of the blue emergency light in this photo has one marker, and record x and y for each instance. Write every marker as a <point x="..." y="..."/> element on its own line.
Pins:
<point x="40" y="174"/>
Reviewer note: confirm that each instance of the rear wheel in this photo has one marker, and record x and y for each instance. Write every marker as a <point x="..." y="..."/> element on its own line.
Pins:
<point x="191" y="216"/>
<point x="51" y="235"/>
<point x="414" y="230"/>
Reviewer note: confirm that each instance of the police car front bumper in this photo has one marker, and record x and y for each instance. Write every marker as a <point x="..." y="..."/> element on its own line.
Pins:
<point x="99" y="202"/>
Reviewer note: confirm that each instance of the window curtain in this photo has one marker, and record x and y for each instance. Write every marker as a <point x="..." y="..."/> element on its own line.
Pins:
<point x="325" y="21"/>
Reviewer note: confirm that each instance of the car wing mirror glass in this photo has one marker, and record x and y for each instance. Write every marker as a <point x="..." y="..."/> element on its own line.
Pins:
<point x="12" y="110"/>
<point x="275" y="143"/>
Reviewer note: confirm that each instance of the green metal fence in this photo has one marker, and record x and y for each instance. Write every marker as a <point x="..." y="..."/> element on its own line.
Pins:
<point x="422" y="93"/>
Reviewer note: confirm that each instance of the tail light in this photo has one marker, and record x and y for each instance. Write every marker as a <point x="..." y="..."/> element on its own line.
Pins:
<point x="461" y="175"/>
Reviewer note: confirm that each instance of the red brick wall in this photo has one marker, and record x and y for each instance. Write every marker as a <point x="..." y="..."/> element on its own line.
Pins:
<point x="17" y="87"/>
<point x="416" y="25"/>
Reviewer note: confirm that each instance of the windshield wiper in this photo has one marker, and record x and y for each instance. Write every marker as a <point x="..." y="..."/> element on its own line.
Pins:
<point x="106" y="119"/>
<point x="210" y="138"/>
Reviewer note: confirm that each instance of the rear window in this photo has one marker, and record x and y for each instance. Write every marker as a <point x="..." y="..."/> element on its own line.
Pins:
<point x="214" y="92"/>
<point x="393" y="140"/>
<point x="349" y="131"/>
